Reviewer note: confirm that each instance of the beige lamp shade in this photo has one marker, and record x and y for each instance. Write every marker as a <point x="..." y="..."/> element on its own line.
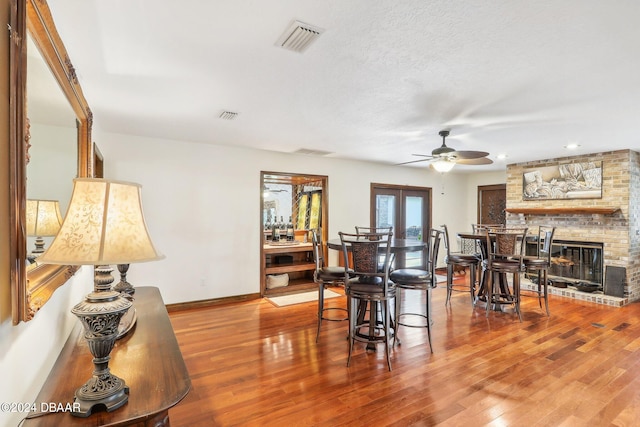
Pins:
<point x="104" y="225"/>
<point x="43" y="218"/>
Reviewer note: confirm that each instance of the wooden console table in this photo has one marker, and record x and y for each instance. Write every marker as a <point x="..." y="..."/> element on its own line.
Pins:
<point x="148" y="359"/>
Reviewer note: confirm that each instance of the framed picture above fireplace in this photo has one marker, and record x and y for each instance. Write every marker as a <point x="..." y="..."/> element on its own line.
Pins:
<point x="564" y="181"/>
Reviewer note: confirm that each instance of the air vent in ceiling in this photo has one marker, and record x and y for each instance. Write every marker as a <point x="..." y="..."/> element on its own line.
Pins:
<point x="228" y="115"/>
<point x="310" y="152"/>
<point x="299" y="36"/>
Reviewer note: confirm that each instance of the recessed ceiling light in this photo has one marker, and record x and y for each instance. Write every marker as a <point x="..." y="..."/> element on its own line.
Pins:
<point x="572" y="146"/>
<point x="501" y="156"/>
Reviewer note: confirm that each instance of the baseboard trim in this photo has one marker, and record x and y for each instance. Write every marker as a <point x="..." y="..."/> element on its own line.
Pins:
<point x="189" y="305"/>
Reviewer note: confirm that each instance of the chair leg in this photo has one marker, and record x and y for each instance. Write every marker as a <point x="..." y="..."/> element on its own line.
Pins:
<point x="449" y="283"/>
<point x="320" y="308"/>
<point x="396" y="316"/>
<point x="540" y="288"/>
<point x="546" y="292"/>
<point x="516" y="294"/>
<point x="428" y="315"/>
<point x="472" y="283"/>
<point x="353" y="314"/>
<point x="386" y="308"/>
<point x="489" y="291"/>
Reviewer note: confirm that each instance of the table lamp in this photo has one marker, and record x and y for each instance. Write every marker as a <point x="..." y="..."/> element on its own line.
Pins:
<point x="43" y="220"/>
<point x="104" y="225"/>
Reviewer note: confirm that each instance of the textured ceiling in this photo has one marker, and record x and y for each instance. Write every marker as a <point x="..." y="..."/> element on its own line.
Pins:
<point x="520" y="78"/>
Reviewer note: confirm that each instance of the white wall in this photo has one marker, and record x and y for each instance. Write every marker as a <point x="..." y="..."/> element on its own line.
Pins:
<point x="30" y="349"/>
<point x="202" y="205"/>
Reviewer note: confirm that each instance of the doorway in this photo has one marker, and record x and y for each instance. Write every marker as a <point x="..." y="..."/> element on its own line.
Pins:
<point x="291" y="205"/>
<point x="408" y="210"/>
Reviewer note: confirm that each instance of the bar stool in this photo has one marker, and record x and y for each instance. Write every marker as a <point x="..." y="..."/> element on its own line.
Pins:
<point x="505" y="256"/>
<point x="368" y="286"/>
<point x="368" y="230"/>
<point x="420" y="280"/>
<point x="540" y="264"/>
<point x="325" y="276"/>
<point x="472" y="261"/>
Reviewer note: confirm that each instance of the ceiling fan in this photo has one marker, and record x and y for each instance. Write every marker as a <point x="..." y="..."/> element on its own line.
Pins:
<point x="445" y="158"/>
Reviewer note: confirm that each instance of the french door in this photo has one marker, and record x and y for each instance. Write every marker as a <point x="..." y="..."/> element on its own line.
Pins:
<point x="408" y="211"/>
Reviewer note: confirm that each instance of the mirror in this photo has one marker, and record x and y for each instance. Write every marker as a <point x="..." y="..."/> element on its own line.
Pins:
<point x="50" y="144"/>
<point x="53" y="152"/>
<point x="291" y="201"/>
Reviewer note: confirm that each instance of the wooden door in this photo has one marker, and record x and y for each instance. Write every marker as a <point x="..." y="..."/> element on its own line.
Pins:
<point x="492" y="201"/>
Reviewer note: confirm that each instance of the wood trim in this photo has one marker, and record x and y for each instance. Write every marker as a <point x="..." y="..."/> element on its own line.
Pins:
<point x="570" y="210"/>
<point x="180" y="306"/>
<point x="32" y="289"/>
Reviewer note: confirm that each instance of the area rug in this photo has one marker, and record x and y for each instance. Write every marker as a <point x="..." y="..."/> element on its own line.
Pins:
<point x="285" y="300"/>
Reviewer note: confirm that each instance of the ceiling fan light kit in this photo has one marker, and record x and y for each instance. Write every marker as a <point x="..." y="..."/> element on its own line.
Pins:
<point x="443" y="165"/>
<point x="445" y="158"/>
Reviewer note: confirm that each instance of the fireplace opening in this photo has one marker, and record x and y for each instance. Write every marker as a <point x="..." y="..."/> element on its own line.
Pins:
<point x="576" y="263"/>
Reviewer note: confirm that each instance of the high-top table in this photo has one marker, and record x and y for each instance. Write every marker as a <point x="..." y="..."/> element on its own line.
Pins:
<point x="148" y="359"/>
<point x="481" y="237"/>
<point x="396" y="246"/>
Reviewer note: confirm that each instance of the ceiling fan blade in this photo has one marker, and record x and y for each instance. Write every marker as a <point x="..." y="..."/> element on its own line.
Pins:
<point x="476" y="161"/>
<point x="469" y="154"/>
<point x="412" y="161"/>
<point x="423" y="155"/>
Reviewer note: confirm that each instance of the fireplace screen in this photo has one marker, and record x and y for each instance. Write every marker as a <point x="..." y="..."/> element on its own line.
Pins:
<point x="574" y="261"/>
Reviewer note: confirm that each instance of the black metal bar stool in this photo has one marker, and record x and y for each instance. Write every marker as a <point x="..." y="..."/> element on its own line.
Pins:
<point x="472" y="261"/>
<point x="326" y="276"/>
<point x="540" y="264"/>
<point x="505" y="256"/>
<point x="369" y="286"/>
<point x="419" y="280"/>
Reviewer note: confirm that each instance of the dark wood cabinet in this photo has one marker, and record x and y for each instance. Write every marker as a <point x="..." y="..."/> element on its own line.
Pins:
<point x="148" y="359"/>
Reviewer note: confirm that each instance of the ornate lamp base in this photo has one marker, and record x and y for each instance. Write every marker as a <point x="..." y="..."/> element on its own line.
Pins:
<point x="123" y="285"/>
<point x="116" y="394"/>
<point x="100" y="314"/>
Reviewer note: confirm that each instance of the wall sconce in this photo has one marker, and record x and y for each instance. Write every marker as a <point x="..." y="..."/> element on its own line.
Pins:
<point x="104" y="225"/>
<point x="43" y="220"/>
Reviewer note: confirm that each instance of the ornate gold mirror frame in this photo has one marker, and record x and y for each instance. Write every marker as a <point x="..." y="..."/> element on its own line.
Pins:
<point x="31" y="289"/>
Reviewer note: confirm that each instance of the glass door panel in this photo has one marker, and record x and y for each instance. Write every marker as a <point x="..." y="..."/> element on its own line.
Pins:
<point x="386" y="210"/>
<point x="413" y="220"/>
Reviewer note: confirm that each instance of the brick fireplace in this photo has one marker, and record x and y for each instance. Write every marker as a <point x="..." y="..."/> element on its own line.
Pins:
<point x="613" y="220"/>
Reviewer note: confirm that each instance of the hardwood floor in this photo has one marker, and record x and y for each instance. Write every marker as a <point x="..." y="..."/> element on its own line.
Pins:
<point x="252" y="363"/>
